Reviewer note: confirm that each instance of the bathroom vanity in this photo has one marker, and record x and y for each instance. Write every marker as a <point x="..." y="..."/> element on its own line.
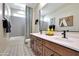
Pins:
<point x="44" y="45"/>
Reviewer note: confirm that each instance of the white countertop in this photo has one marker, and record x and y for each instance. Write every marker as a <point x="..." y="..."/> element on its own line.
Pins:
<point x="72" y="42"/>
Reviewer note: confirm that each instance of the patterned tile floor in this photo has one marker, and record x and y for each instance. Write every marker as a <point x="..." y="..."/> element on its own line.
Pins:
<point x="17" y="47"/>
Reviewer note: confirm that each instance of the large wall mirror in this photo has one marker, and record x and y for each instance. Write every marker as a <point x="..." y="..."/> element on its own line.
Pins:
<point x="45" y="22"/>
<point x="63" y="19"/>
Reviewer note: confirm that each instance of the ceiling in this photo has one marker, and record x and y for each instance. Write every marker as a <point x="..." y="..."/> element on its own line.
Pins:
<point x="51" y="7"/>
<point x="21" y="6"/>
<point x="32" y="5"/>
<point x="48" y="8"/>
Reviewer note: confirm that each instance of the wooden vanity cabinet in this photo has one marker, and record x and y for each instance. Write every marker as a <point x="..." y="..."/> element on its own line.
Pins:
<point x="61" y="50"/>
<point x="48" y="52"/>
<point x="39" y="47"/>
<point x="33" y="44"/>
<point x="36" y="45"/>
<point x="42" y="47"/>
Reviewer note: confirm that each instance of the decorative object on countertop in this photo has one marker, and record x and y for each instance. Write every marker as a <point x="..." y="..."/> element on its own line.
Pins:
<point x="50" y="31"/>
<point x="53" y="27"/>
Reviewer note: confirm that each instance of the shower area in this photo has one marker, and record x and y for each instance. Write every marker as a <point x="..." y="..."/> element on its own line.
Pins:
<point x="19" y="26"/>
<point x="20" y="18"/>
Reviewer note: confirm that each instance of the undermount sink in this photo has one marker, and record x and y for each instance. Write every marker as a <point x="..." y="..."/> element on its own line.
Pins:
<point x="63" y="39"/>
<point x="69" y="39"/>
<point x="59" y="37"/>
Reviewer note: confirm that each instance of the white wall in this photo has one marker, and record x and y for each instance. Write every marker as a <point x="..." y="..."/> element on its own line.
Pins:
<point x="1" y="28"/>
<point x="3" y="41"/>
<point x="35" y="28"/>
<point x="67" y="10"/>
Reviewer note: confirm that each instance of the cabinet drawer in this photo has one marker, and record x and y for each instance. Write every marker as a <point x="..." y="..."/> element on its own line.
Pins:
<point x="60" y="49"/>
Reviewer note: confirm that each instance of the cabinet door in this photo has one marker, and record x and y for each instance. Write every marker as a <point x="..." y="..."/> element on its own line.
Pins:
<point x="31" y="42"/>
<point x="35" y="46"/>
<point x="39" y="46"/>
<point x="48" y="52"/>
